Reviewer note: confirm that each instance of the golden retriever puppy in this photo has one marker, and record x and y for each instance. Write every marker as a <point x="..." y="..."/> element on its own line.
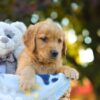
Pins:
<point x="45" y="46"/>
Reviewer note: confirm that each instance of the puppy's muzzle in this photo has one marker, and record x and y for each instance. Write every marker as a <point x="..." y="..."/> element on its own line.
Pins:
<point x="53" y="54"/>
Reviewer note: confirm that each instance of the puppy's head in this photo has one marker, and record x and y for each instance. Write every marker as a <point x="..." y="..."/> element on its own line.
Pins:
<point x="46" y="41"/>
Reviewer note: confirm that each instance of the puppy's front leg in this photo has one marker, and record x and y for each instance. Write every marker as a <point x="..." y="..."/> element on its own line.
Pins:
<point x="69" y="72"/>
<point x="27" y="78"/>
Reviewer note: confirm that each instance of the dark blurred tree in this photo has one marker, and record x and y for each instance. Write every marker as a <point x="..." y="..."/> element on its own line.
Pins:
<point x="86" y="16"/>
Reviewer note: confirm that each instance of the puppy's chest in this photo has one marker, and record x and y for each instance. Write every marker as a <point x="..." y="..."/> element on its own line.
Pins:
<point x="45" y="70"/>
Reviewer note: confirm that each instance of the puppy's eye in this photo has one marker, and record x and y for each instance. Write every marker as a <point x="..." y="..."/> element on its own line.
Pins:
<point x="59" y="40"/>
<point x="44" y="39"/>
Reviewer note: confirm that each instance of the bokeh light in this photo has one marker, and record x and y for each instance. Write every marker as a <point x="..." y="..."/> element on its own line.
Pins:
<point x="65" y="22"/>
<point x="55" y="1"/>
<point x="71" y="36"/>
<point x="86" y="55"/>
<point x="98" y="48"/>
<point x="74" y="6"/>
<point x="54" y="15"/>
<point x="87" y="40"/>
<point x="80" y="38"/>
<point x="85" y="32"/>
<point x="98" y="32"/>
<point x="34" y="18"/>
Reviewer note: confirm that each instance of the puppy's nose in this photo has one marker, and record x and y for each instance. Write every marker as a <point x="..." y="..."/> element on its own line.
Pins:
<point x="54" y="53"/>
<point x="4" y="39"/>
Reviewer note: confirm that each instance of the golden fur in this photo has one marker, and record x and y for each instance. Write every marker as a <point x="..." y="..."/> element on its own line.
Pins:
<point x="40" y="39"/>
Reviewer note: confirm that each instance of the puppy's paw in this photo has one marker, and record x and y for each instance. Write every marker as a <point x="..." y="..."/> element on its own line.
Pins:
<point x="27" y="84"/>
<point x="71" y="73"/>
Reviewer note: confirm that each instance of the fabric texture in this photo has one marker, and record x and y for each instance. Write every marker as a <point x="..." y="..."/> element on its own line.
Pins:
<point x="48" y="87"/>
<point x="8" y="64"/>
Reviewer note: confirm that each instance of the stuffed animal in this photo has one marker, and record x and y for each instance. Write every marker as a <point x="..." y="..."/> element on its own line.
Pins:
<point x="10" y="45"/>
<point x="22" y="28"/>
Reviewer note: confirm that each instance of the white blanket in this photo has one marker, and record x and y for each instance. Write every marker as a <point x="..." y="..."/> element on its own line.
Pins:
<point x="50" y="87"/>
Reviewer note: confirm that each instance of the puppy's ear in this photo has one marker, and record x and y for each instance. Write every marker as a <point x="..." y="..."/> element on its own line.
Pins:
<point x="29" y="38"/>
<point x="64" y="49"/>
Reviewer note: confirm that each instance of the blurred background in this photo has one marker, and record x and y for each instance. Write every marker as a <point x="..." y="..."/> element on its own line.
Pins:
<point x="80" y="20"/>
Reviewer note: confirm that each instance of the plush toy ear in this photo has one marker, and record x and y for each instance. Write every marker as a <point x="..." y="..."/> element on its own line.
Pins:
<point x="20" y="26"/>
<point x="29" y="38"/>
